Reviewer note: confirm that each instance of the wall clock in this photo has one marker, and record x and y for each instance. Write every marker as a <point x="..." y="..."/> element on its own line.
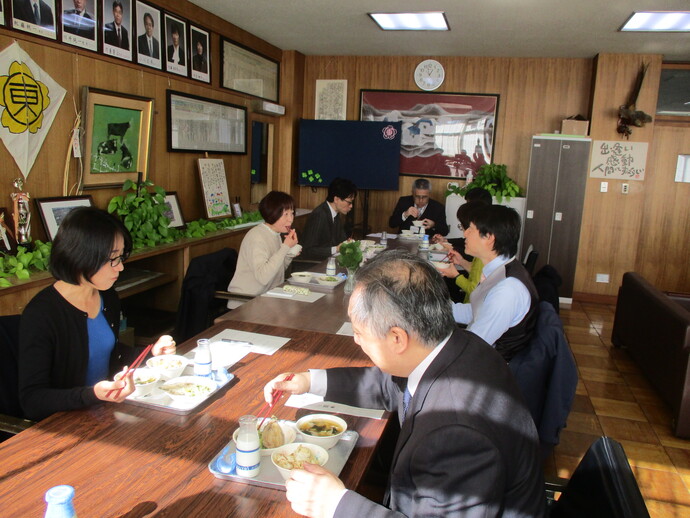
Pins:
<point x="429" y="74"/>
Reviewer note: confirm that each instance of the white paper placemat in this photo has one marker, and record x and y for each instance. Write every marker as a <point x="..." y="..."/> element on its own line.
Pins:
<point x="346" y="329"/>
<point x="379" y="234"/>
<point x="254" y="342"/>
<point x="279" y="293"/>
<point x="312" y="402"/>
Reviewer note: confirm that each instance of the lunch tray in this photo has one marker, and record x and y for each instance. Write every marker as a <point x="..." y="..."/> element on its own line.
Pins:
<point x="159" y="400"/>
<point x="314" y="285"/>
<point x="270" y="477"/>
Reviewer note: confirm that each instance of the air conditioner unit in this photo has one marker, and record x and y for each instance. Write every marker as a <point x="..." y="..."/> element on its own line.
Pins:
<point x="268" y="108"/>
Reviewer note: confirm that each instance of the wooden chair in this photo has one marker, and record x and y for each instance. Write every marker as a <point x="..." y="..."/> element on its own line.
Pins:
<point x="602" y="486"/>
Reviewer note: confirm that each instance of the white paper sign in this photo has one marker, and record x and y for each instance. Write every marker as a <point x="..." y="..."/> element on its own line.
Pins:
<point x="618" y="160"/>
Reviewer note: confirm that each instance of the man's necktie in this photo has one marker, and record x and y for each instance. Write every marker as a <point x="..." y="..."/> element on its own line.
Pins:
<point x="406" y="402"/>
<point x="119" y="38"/>
<point x="37" y="14"/>
<point x="150" y="46"/>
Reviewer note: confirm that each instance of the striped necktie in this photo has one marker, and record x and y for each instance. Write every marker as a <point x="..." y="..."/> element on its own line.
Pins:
<point x="406" y="403"/>
<point x="37" y="14"/>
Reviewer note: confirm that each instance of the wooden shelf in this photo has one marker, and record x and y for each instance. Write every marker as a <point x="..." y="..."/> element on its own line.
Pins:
<point x="134" y="280"/>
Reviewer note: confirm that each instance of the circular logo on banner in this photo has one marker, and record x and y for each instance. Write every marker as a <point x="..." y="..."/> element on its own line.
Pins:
<point x="389" y="132"/>
<point x="24" y="98"/>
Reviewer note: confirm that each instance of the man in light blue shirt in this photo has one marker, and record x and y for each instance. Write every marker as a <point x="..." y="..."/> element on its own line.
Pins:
<point x="503" y="307"/>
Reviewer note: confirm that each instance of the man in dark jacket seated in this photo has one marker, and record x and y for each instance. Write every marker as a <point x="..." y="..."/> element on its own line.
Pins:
<point x="420" y="207"/>
<point x="467" y="444"/>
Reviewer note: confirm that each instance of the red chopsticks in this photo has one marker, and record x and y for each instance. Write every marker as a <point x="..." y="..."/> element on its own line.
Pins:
<point x="275" y="396"/>
<point x="134" y="365"/>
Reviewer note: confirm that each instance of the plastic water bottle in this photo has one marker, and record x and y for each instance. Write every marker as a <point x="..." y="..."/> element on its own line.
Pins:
<point x="330" y="267"/>
<point x="59" y="500"/>
<point x="248" y="456"/>
<point x="384" y="238"/>
<point x="424" y="245"/>
<point x="202" y="358"/>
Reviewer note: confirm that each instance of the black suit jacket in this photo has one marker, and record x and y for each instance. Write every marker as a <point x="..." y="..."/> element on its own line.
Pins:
<point x="79" y="25"/>
<point x="110" y="36"/>
<point x="21" y="10"/>
<point x="434" y="211"/>
<point x="171" y="49"/>
<point x="143" y="47"/>
<point x="321" y="232"/>
<point x="468" y="446"/>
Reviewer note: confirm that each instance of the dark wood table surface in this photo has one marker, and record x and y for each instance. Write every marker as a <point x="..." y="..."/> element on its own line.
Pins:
<point x="128" y="461"/>
<point x="325" y="315"/>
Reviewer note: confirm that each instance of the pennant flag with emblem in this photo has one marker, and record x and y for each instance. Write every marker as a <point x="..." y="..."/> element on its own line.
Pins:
<point x="29" y="102"/>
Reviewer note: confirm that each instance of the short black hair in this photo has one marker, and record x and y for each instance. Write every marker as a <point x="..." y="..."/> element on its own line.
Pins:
<point x="465" y="211"/>
<point x="117" y="3"/>
<point x="479" y="194"/>
<point x="84" y="243"/>
<point x="174" y="29"/>
<point x="342" y="188"/>
<point x="150" y="17"/>
<point x="501" y="222"/>
<point x="274" y="204"/>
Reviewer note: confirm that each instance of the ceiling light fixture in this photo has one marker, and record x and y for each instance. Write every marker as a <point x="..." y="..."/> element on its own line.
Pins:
<point x="658" y="21"/>
<point x="426" y="21"/>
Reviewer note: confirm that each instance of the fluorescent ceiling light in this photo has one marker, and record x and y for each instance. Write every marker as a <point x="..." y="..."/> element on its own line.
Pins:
<point x="429" y="21"/>
<point x="658" y="21"/>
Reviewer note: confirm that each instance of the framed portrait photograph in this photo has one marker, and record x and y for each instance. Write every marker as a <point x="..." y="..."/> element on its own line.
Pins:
<point x="249" y="72"/>
<point x="176" y="45"/>
<point x="173" y="212"/>
<point x="54" y="210"/>
<point x="443" y="134"/>
<point x="39" y="20"/>
<point x="2" y="14"/>
<point x="117" y="136"/>
<point x="205" y="125"/>
<point x="148" y="35"/>
<point x="7" y="241"/>
<point x="214" y="186"/>
<point x="200" y="51"/>
<point x="117" y="24"/>
<point x="79" y="22"/>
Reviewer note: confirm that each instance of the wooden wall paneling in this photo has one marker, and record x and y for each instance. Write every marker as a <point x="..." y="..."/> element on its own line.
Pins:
<point x="664" y="243"/>
<point x="612" y="222"/>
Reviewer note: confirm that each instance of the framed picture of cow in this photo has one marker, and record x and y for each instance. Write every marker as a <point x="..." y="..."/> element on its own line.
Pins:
<point x="116" y="138"/>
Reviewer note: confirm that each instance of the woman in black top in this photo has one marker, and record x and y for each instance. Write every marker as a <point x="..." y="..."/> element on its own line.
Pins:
<point x="68" y="340"/>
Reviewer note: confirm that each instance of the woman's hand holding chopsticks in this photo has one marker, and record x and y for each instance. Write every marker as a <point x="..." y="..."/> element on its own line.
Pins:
<point x="116" y="391"/>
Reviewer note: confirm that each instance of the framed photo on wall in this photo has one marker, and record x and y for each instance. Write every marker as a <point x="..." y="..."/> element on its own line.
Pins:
<point x="117" y="26"/>
<point x="79" y="22"/>
<point x="443" y="134"/>
<point x="174" y="212"/>
<point x="176" y="43"/>
<point x="40" y="21"/>
<point x="249" y="72"/>
<point x="148" y="35"/>
<point x="205" y="125"/>
<point x="201" y="56"/>
<point x="117" y="136"/>
<point x="54" y="210"/>
<point x="214" y="187"/>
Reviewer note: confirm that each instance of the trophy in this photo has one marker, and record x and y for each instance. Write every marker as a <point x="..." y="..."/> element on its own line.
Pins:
<point x="22" y="214"/>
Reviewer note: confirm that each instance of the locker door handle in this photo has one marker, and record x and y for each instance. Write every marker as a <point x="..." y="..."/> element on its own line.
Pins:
<point x="558" y="216"/>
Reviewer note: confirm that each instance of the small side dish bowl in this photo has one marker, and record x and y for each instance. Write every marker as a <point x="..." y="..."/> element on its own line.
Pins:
<point x="167" y="365"/>
<point x="289" y="433"/>
<point x="327" y="280"/>
<point x="144" y="381"/>
<point x="188" y="389"/>
<point x="366" y="243"/>
<point x="302" y="276"/>
<point x="418" y="223"/>
<point x="441" y="265"/>
<point x="325" y="430"/>
<point x="291" y="456"/>
<point x="406" y="232"/>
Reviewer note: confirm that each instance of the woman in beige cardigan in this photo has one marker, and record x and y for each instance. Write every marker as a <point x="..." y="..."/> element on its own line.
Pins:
<point x="264" y="256"/>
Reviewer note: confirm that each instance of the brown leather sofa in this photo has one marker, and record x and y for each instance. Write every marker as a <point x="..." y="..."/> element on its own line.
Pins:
<point x="654" y="327"/>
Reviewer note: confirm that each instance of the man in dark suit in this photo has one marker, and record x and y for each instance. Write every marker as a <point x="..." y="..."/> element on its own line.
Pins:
<point x="176" y="50"/>
<point x="34" y="11"/>
<point x="147" y="45"/>
<point x="467" y="443"/>
<point x="114" y="33"/>
<point x="79" y="21"/>
<point x="420" y="207"/>
<point x="324" y="230"/>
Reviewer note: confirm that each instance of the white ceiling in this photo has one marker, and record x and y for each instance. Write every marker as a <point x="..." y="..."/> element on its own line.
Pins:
<point x="496" y="28"/>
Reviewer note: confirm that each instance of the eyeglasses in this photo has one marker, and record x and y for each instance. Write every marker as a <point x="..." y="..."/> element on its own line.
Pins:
<point x="418" y="197"/>
<point x="117" y="261"/>
<point x="349" y="201"/>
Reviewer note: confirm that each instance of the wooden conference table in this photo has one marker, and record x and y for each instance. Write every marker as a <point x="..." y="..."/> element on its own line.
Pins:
<point x="128" y="461"/>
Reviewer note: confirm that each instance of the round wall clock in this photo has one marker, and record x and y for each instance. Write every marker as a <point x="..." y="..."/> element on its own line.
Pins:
<point x="429" y="74"/>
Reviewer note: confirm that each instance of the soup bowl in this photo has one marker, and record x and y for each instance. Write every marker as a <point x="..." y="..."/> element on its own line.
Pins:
<point x="322" y="429"/>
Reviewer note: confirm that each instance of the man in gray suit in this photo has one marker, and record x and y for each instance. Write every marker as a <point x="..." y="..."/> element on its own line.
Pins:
<point x="147" y="45"/>
<point x="467" y="444"/>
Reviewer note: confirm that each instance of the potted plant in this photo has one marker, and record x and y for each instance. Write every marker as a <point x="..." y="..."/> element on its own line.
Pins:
<point x="350" y="257"/>
<point x="493" y="178"/>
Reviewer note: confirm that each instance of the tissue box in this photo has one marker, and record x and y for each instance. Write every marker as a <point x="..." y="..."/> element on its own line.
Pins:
<point x="574" y="127"/>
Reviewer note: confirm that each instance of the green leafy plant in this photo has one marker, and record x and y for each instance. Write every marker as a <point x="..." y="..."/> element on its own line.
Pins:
<point x="24" y="262"/>
<point x="143" y="214"/>
<point x="493" y="178"/>
<point x="350" y="255"/>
